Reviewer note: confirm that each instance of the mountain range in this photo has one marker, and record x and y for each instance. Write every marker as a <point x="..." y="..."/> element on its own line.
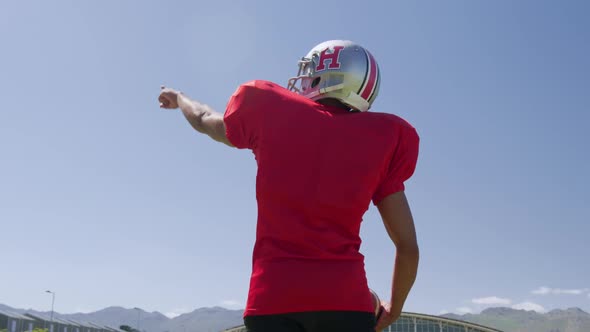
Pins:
<point x="512" y="320"/>
<point x="216" y="319"/>
<point x="213" y="319"/>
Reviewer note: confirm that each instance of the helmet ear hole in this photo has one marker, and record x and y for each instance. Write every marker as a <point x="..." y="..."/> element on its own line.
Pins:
<point x="315" y="82"/>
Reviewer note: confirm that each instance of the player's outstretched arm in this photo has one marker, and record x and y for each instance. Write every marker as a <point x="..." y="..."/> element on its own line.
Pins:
<point x="398" y="221"/>
<point x="201" y="117"/>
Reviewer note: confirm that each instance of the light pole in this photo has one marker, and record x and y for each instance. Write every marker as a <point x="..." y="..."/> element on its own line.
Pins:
<point x="138" y="312"/>
<point x="52" y="303"/>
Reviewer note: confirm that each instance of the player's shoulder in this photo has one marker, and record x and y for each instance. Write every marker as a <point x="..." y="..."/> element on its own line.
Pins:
<point x="392" y="120"/>
<point x="261" y="87"/>
<point x="262" y="92"/>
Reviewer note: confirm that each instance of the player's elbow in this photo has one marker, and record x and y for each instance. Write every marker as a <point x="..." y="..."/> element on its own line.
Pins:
<point x="408" y="248"/>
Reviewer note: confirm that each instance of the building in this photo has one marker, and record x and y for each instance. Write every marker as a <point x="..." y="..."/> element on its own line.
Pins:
<point x="414" y="322"/>
<point x="13" y="322"/>
<point x="98" y="328"/>
<point x="80" y="327"/>
<point x="63" y="325"/>
<point x="57" y="324"/>
<point x="74" y="326"/>
<point x="113" y="329"/>
<point x="42" y="322"/>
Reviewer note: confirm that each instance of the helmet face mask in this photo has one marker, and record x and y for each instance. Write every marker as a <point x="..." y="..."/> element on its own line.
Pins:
<point x="304" y="72"/>
<point x="340" y="70"/>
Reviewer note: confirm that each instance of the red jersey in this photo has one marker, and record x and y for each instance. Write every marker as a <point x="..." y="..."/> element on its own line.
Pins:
<point x="319" y="167"/>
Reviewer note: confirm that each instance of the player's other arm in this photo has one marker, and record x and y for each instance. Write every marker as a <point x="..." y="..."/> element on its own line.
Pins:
<point x="200" y="116"/>
<point x="397" y="218"/>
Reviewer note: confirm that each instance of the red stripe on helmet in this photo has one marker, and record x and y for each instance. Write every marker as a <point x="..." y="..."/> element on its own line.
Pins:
<point x="371" y="82"/>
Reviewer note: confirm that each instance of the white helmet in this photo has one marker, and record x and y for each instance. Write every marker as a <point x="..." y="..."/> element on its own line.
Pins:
<point x="338" y="69"/>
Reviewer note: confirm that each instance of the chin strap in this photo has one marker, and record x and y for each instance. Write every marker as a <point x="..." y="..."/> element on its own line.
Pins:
<point x="353" y="100"/>
<point x="357" y="102"/>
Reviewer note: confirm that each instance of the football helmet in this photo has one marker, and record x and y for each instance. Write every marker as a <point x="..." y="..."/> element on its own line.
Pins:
<point x="338" y="69"/>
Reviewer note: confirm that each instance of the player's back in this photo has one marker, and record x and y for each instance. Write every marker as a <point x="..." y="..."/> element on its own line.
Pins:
<point x="319" y="167"/>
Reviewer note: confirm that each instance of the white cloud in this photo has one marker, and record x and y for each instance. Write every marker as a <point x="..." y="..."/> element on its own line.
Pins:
<point x="443" y="312"/>
<point x="559" y="291"/>
<point x="573" y="291"/>
<point x="176" y="312"/>
<point x="529" y="306"/>
<point x="231" y="303"/>
<point x="492" y="300"/>
<point x="542" y="291"/>
<point x="464" y="310"/>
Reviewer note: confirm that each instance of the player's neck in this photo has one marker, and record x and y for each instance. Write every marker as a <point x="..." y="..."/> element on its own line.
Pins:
<point x="334" y="103"/>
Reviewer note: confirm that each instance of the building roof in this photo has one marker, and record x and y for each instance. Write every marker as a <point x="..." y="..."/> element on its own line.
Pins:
<point x="449" y="320"/>
<point x="71" y="322"/>
<point x="55" y="320"/>
<point x="117" y="329"/>
<point x="422" y="317"/>
<point x="113" y="328"/>
<point x="94" y="325"/>
<point x="14" y="315"/>
<point x="37" y="316"/>
<point x="62" y="321"/>
<point x="78" y="323"/>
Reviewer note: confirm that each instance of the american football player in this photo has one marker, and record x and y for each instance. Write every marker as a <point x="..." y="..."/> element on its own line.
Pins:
<point x="322" y="158"/>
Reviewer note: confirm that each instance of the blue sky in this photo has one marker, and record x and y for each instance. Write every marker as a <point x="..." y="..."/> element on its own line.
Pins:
<point x="108" y="200"/>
